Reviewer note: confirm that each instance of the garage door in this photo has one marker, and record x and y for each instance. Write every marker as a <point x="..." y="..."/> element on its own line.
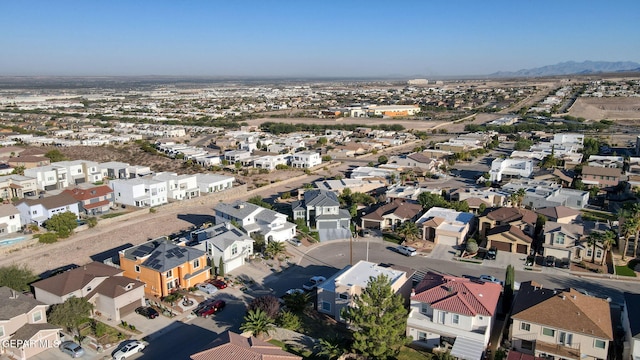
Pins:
<point x="522" y="249"/>
<point x="447" y="240"/>
<point x="233" y="264"/>
<point x="371" y="224"/>
<point x="501" y="245"/>
<point x="129" y="308"/>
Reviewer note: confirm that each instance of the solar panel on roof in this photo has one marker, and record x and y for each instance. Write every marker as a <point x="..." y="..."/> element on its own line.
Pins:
<point x="170" y="255"/>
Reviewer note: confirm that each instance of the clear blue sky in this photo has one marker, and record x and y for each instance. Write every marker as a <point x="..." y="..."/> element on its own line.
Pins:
<point x="349" y="38"/>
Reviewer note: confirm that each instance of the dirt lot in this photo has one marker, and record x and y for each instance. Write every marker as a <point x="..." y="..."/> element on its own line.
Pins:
<point x="607" y="108"/>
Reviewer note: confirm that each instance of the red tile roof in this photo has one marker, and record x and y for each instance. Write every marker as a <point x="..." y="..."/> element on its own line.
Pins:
<point x="87" y="194"/>
<point x="232" y="346"/>
<point x="458" y="295"/>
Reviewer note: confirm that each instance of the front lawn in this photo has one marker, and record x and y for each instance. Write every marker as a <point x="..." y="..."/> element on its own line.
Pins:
<point x="391" y="237"/>
<point x="407" y="353"/>
<point x="624" y="270"/>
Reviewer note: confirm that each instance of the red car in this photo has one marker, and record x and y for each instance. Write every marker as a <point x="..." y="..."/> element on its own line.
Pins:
<point x="212" y="309"/>
<point x="218" y="283"/>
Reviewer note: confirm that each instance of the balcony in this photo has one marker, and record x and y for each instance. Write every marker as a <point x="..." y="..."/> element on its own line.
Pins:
<point x="563" y="351"/>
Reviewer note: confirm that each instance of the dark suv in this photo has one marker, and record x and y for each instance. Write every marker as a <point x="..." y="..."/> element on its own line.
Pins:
<point x="147" y="311"/>
<point x="491" y="253"/>
<point x="550" y="261"/>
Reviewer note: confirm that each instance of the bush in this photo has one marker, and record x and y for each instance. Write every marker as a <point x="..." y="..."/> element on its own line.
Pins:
<point x="152" y="210"/>
<point x="99" y="328"/>
<point x="289" y="320"/>
<point x="472" y="247"/>
<point x="48" y="238"/>
<point x="92" y="222"/>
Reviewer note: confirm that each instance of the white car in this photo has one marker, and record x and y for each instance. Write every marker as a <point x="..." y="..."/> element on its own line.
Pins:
<point x="313" y="282"/>
<point x="207" y="288"/>
<point x="129" y="349"/>
<point x="489" y="278"/>
<point x="294" y="291"/>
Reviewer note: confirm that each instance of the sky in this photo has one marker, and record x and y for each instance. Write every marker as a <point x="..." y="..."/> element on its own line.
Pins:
<point x="307" y="38"/>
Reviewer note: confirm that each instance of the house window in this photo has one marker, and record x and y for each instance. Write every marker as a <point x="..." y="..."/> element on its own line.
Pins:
<point x="424" y="308"/>
<point x="456" y="319"/>
<point x="598" y="253"/>
<point x="326" y="306"/>
<point x="234" y="249"/>
<point x="566" y="338"/>
<point x="169" y="274"/>
<point x="422" y="336"/>
<point x="599" y="344"/>
<point x="137" y="268"/>
<point x="196" y="263"/>
<point x="527" y="345"/>
<point x="170" y="285"/>
<point x="344" y="296"/>
<point x="12" y="216"/>
<point x="441" y="316"/>
<point x="37" y="316"/>
<point x="548" y="332"/>
<point x="560" y="239"/>
<point x="525" y="326"/>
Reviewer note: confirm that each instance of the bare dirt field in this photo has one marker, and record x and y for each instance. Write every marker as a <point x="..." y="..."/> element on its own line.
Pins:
<point x="607" y="108"/>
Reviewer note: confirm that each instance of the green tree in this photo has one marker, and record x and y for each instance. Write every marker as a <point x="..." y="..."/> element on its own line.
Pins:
<point x="330" y="348"/>
<point x="62" y="224"/>
<point x="322" y="140"/>
<point x="297" y="301"/>
<point x="509" y="286"/>
<point x="409" y="230"/>
<point x="592" y="240"/>
<point x="382" y="159"/>
<point x="258" y="323"/>
<point x="326" y="158"/>
<point x="17" y="277"/>
<point x="70" y="313"/>
<point x="257" y="200"/>
<point x="380" y="317"/>
<point x="289" y="320"/>
<point x="221" y="267"/>
<point x="55" y="156"/>
<point x="472" y="246"/>
<point x="429" y="200"/>
<point x="608" y="241"/>
<point x="18" y="170"/>
<point x="275" y="249"/>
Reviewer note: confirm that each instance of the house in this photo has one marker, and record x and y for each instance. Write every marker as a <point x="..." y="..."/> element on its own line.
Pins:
<point x="115" y="170"/>
<point x="17" y="186"/>
<point x="29" y="161"/>
<point x="562" y="324"/>
<point x="391" y="215"/>
<point x="305" y="159"/>
<point x="209" y="183"/>
<point x="631" y="326"/>
<point x="606" y="161"/>
<point x="511" y="168"/>
<point x="509" y="238"/>
<point x="354" y="185"/>
<point x="24" y="331"/>
<point x="92" y="200"/>
<point x="253" y="218"/>
<point x="270" y="162"/>
<point x="445" y="226"/>
<point x="320" y="209"/>
<point x="339" y="290"/>
<point x="541" y="193"/>
<point x="234" y="156"/>
<point x="164" y="266"/>
<point x="40" y="210"/>
<point x="9" y="219"/>
<point x="179" y="187"/>
<point x="112" y="294"/>
<point x="49" y="177"/>
<point x="601" y="176"/>
<point x="447" y="310"/>
<point x="559" y="214"/>
<point x="230" y="345"/>
<point x="366" y="172"/>
<point x="223" y="241"/>
<point x="521" y="218"/>
<point x="139" y="192"/>
<point x="563" y="240"/>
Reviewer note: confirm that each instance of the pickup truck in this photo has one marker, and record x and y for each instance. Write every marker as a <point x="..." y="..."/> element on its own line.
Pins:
<point x="313" y="282"/>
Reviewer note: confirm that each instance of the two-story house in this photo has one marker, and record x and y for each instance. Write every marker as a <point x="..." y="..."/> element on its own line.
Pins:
<point x="164" y="266"/>
<point x="305" y="159"/>
<point x="270" y="162"/>
<point x="179" y="187"/>
<point x="40" y="210"/>
<point x="223" y="241"/>
<point x="17" y="186"/>
<point x="601" y="176"/>
<point x="320" y="209"/>
<point x="230" y="345"/>
<point x="256" y="219"/>
<point x="451" y="311"/>
<point x="24" y="331"/>
<point x="563" y="240"/>
<point x="9" y="219"/>
<point x="337" y="292"/>
<point x="112" y="294"/>
<point x="139" y="192"/>
<point x="209" y="183"/>
<point x="560" y="214"/>
<point x="391" y="215"/>
<point x="631" y="325"/>
<point x="561" y="324"/>
<point x="115" y="170"/>
<point x="49" y="177"/>
<point x="445" y="226"/>
<point x="92" y="200"/>
<point x="521" y="218"/>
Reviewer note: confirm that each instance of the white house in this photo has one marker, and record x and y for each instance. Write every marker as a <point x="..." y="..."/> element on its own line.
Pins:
<point x="9" y="219"/>
<point x="40" y="210"/>
<point x="139" y="192"/>
<point x="510" y="168"/>
<point x="305" y="159"/>
<point x="179" y="187"/>
<point x="253" y="218"/>
<point x="115" y="169"/>
<point x="233" y="156"/>
<point x="270" y="162"/>
<point x="223" y="241"/>
<point x="209" y="183"/>
<point x="445" y="226"/>
<point x="49" y="177"/>
<point x="447" y="310"/>
<point x="208" y="160"/>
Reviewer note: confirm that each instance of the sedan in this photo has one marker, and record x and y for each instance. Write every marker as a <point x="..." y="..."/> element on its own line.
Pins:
<point x="147" y="311"/>
<point x="489" y="278"/>
<point x="72" y="349"/>
<point x="213" y="308"/>
<point x="294" y="291"/>
<point x="218" y="283"/>
<point x="207" y="288"/>
<point x="128" y="350"/>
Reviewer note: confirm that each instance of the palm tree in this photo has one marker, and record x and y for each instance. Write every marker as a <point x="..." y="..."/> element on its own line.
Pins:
<point x="408" y="230"/>
<point x="627" y="229"/>
<point x="275" y="248"/>
<point x="608" y="240"/>
<point x="593" y="239"/>
<point x="629" y="219"/>
<point x="330" y="348"/>
<point x="257" y="322"/>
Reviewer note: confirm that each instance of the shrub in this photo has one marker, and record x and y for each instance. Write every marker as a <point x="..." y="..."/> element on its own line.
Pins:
<point x="92" y="222"/>
<point x="289" y="320"/>
<point x="152" y="210"/>
<point x="99" y="328"/>
<point x="48" y="238"/>
<point x="472" y="247"/>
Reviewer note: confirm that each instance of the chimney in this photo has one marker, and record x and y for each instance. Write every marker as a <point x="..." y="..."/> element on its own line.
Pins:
<point x="413" y="292"/>
<point x="14" y="295"/>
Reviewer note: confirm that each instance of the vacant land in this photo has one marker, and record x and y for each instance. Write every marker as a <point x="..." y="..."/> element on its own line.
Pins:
<point x="607" y="108"/>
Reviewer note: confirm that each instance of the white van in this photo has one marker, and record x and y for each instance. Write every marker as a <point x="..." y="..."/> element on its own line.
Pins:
<point x="406" y="250"/>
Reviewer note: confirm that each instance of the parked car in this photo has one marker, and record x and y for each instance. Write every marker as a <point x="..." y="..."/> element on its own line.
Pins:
<point x="313" y="282"/>
<point x="207" y="288"/>
<point x="531" y="259"/>
<point x="294" y="291"/>
<point x="212" y="308"/>
<point x="565" y="263"/>
<point x="492" y="253"/>
<point x="218" y="283"/>
<point x="489" y="278"/>
<point x="147" y="311"/>
<point x="366" y="233"/>
<point x="550" y="261"/>
<point x="72" y="349"/>
<point x="128" y="350"/>
<point x="295" y="242"/>
<point x="406" y="250"/>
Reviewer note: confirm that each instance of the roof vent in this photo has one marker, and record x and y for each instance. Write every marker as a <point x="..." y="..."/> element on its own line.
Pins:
<point x="14" y="295"/>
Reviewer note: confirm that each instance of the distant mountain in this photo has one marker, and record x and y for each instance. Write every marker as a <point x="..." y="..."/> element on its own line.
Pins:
<point x="572" y="68"/>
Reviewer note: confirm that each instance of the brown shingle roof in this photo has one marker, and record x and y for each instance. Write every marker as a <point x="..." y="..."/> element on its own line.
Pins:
<point x="565" y="309"/>
<point x="232" y="346"/>
<point x="52" y="202"/>
<point x="398" y="207"/>
<point x="75" y="279"/>
<point x="115" y="286"/>
<point x="601" y="171"/>
<point x="557" y="212"/>
<point x="510" y="229"/>
<point x="511" y="214"/>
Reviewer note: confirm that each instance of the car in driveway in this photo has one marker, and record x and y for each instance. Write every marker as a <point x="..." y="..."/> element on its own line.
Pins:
<point x="550" y="261"/>
<point x="295" y="242"/>
<point x="489" y="278"/>
<point x="406" y="250"/>
<point x="531" y="259"/>
<point x="313" y="282"/>
<point x="207" y="288"/>
<point x="491" y="253"/>
<point x="212" y="308"/>
<point x="72" y="349"/>
<point x="294" y="291"/>
<point x="218" y="283"/>
<point x="147" y="311"/>
<point x="128" y="349"/>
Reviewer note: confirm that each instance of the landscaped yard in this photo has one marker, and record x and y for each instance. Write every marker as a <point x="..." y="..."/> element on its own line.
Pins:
<point x="391" y="237"/>
<point x="407" y="353"/>
<point x="627" y="270"/>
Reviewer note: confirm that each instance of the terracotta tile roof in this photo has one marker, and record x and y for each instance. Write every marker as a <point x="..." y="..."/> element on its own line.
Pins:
<point x="98" y="204"/>
<point x="557" y="212"/>
<point x="87" y="194"/>
<point x="511" y="214"/>
<point x="232" y="346"/>
<point x="512" y="230"/>
<point x="563" y="309"/>
<point x="514" y="355"/>
<point x="73" y="280"/>
<point x="458" y="295"/>
<point x="433" y="222"/>
<point x="400" y="208"/>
